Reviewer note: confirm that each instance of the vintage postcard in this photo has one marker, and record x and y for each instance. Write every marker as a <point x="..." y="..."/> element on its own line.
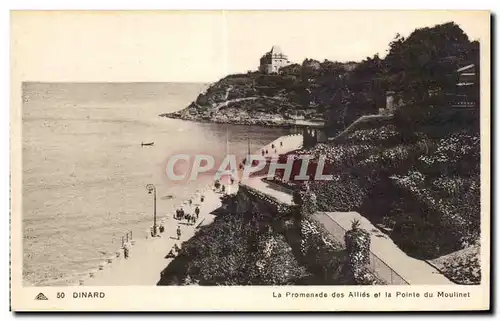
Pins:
<point x="250" y="160"/>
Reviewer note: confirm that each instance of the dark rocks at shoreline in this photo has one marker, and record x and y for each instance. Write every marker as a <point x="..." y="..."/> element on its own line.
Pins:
<point x="228" y="120"/>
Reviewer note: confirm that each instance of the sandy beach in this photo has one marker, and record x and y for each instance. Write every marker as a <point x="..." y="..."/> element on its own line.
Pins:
<point x="147" y="255"/>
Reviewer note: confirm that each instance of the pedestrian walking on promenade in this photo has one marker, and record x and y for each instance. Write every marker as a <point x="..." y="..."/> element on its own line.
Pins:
<point x="197" y="212"/>
<point x="202" y="198"/>
<point x="223" y="189"/>
<point x="281" y="144"/>
<point x="126" y="249"/>
<point x="178" y="232"/>
<point x="272" y="146"/>
<point x="263" y="152"/>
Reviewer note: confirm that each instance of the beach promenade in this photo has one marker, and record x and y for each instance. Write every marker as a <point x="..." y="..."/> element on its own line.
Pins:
<point x="146" y="258"/>
<point x="282" y="145"/>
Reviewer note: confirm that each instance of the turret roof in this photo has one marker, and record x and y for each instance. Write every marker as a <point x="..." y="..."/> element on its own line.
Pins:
<point x="276" y="50"/>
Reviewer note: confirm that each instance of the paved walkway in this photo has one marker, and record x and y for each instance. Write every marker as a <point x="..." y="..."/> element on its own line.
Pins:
<point x="414" y="271"/>
<point x="357" y="122"/>
<point x="223" y="104"/>
<point x="147" y="256"/>
<point x="282" y="145"/>
<point x="269" y="189"/>
<point x="290" y="143"/>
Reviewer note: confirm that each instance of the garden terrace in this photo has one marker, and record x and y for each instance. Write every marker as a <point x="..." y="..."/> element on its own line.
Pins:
<point x="424" y="192"/>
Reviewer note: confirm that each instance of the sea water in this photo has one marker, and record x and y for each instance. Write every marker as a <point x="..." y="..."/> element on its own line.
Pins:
<point x="85" y="171"/>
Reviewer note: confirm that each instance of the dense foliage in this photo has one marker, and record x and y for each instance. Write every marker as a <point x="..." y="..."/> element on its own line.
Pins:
<point x="233" y="251"/>
<point x="429" y="189"/>
<point x="462" y="266"/>
<point x="427" y="59"/>
<point x="324" y="257"/>
<point x="357" y="241"/>
<point x="243" y="247"/>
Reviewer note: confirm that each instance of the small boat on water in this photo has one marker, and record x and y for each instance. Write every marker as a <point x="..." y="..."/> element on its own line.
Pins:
<point x="147" y="144"/>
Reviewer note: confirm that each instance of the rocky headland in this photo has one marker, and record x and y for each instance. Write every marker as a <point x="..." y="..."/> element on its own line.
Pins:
<point x="257" y="98"/>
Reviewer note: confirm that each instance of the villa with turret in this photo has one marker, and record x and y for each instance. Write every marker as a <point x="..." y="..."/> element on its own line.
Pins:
<point x="272" y="61"/>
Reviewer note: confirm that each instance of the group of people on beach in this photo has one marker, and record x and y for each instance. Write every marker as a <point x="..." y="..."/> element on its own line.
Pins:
<point x="218" y="187"/>
<point x="190" y="218"/>
<point x="155" y="231"/>
<point x="266" y="151"/>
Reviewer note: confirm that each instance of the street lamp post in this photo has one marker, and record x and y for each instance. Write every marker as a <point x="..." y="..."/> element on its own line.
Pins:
<point x="152" y="189"/>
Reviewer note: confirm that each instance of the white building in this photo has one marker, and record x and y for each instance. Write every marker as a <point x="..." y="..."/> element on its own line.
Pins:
<point x="272" y="61"/>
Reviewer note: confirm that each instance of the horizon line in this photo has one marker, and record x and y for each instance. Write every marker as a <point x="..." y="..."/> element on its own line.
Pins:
<point x="114" y="82"/>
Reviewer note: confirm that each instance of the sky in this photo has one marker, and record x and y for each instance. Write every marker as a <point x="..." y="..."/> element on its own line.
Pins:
<point x="203" y="46"/>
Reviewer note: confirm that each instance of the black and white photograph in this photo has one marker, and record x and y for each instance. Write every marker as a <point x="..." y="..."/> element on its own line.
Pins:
<point x="219" y="149"/>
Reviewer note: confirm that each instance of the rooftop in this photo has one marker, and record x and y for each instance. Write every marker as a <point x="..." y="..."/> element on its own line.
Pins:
<point x="276" y="50"/>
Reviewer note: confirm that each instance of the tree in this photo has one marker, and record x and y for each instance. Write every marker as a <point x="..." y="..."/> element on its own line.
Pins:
<point x="425" y="60"/>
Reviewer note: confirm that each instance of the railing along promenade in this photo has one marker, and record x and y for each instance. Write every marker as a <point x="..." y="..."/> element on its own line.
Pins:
<point x="378" y="266"/>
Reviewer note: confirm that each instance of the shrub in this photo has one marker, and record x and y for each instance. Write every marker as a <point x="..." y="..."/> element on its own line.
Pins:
<point x="234" y="251"/>
<point x="462" y="267"/>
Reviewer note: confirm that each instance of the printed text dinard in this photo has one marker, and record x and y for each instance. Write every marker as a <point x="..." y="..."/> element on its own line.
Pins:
<point x="374" y="294"/>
